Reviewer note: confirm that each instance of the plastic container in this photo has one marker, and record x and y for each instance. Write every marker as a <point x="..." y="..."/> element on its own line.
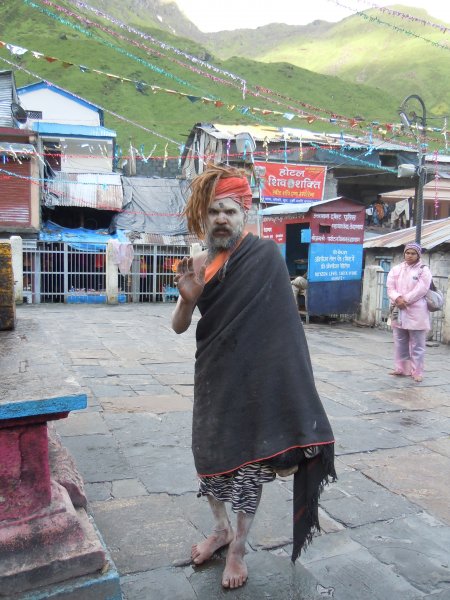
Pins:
<point x="92" y="298"/>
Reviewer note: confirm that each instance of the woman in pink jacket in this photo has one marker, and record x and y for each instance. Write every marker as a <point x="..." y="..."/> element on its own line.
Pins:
<point x="407" y="285"/>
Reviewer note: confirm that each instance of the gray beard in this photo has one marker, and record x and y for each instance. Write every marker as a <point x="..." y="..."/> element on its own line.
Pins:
<point x="217" y="245"/>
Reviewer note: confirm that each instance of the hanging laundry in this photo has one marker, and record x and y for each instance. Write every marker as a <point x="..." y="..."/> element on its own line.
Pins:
<point x="123" y="254"/>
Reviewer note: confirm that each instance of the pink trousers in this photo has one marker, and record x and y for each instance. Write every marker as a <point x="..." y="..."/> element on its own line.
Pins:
<point x="409" y="350"/>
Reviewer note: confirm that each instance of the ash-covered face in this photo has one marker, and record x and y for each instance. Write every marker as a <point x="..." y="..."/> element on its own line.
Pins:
<point x="224" y="225"/>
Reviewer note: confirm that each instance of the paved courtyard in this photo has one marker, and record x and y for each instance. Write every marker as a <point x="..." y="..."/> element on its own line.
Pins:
<point x="386" y="521"/>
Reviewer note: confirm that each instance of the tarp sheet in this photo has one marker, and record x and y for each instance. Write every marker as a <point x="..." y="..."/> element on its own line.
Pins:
<point x="153" y="205"/>
<point x="87" y="240"/>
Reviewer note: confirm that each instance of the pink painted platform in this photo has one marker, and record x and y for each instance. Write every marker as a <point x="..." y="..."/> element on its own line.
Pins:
<point x="44" y="538"/>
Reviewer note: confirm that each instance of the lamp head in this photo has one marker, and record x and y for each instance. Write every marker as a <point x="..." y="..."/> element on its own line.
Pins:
<point x="404" y="119"/>
<point x="406" y="170"/>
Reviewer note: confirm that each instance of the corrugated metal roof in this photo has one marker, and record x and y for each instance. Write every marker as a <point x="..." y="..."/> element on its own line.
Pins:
<point x="441" y="158"/>
<point x="16" y="149"/>
<point x="292" y="209"/>
<point x="279" y="134"/>
<point x="164" y="240"/>
<point x="261" y="133"/>
<point x="439" y="189"/>
<point x="353" y="143"/>
<point x="60" y="129"/>
<point x="6" y="97"/>
<point x="102" y="191"/>
<point x="39" y="85"/>
<point x="434" y="233"/>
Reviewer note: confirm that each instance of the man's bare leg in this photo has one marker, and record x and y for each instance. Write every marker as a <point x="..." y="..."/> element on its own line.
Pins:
<point x="235" y="573"/>
<point x="221" y="536"/>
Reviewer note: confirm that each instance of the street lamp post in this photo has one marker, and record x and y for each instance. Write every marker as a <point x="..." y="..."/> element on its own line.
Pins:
<point x="409" y="120"/>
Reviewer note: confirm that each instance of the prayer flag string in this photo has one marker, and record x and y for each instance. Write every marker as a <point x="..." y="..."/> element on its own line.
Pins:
<point x="250" y="112"/>
<point x="402" y="30"/>
<point x="402" y="15"/>
<point x="141" y="85"/>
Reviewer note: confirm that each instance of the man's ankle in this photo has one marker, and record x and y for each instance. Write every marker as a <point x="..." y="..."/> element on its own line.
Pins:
<point x="238" y="546"/>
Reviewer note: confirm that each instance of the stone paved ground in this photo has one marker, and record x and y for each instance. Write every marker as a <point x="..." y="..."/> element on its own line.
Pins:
<point x="386" y="522"/>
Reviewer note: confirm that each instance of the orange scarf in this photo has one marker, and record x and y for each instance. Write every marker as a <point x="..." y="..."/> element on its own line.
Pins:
<point x="217" y="263"/>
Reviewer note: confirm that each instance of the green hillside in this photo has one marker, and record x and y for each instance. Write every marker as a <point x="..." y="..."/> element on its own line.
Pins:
<point x="41" y="28"/>
<point x="401" y="56"/>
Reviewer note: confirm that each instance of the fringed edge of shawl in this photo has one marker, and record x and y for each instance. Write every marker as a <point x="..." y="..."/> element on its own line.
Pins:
<point x="312" y="516"/>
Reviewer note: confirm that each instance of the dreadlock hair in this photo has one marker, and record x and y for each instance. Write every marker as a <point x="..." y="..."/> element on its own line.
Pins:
<point x="202" y="194"/>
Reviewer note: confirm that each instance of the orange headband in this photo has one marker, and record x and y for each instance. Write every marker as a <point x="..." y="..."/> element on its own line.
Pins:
<point x="236" y="188"/>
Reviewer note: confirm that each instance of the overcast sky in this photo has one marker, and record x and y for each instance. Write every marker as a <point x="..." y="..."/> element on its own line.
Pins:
<point x="217" y="15"/>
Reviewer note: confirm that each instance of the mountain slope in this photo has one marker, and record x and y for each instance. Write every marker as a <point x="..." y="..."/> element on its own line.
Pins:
<point x="399" y="55"/>
<point x="166" y="119"/>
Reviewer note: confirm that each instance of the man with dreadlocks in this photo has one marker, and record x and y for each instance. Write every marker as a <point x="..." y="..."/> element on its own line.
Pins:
<point x="256" y="409"/>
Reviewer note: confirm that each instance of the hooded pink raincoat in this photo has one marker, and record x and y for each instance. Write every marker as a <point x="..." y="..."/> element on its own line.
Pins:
<point x="412" y="282"/>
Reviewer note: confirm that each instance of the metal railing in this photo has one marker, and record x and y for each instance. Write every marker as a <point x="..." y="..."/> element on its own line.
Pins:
<point x="382" y="310"/>
<point x="152" y="273"/>
<point x="60" y="272"/>
<point x="76" y="273"/>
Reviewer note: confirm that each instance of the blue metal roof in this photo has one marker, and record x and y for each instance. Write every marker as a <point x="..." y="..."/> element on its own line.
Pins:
<point x="61" y="129"/>
<point x="289" y="208"/>
<point x="26" y="89"/>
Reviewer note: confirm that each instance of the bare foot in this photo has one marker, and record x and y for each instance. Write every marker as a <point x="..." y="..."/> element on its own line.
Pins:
<point x="204" y="550"/>
<point x="235" y="573"/>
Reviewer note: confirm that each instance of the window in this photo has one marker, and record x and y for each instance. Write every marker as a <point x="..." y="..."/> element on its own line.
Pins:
<point x="385" y="262"/>
<point x="388" y="160"/>
<point x="34" y="114"/>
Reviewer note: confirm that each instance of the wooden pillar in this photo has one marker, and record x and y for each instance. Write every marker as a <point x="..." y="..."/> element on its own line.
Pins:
<point x="7" y="301"/>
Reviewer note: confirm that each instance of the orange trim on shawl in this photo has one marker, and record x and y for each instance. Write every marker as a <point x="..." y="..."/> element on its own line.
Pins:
<point x="220" y="260"/>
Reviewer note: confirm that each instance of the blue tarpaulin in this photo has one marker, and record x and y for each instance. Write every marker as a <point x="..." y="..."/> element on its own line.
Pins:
<point x="87" y="240"/>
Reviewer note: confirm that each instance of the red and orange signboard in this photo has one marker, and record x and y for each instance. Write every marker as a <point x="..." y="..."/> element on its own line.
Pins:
<point x="282" y="183"/>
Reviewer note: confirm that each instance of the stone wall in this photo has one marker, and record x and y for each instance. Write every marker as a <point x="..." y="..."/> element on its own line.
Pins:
<point x="157" y="167"/>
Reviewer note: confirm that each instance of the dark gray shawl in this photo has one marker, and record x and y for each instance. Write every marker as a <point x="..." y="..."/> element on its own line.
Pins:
<point x="255" y="396"/>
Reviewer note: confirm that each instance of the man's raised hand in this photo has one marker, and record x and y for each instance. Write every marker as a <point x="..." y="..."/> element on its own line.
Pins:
<point x="190" y="284"/>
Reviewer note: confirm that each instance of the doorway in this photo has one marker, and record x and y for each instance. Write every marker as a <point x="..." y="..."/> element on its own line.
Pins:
<point x="296" y="250"/>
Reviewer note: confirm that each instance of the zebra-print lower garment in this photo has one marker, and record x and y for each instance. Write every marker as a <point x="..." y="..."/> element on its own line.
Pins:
<point x="240" y="488"/>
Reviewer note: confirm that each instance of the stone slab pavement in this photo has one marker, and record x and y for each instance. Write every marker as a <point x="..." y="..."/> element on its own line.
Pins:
<point x="386" y="521"/>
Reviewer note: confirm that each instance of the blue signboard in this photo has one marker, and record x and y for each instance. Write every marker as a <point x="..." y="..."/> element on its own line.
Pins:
<point x="282" y="249"/>
<point x="305" y="236"/>
<point x="335" y="262"/>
